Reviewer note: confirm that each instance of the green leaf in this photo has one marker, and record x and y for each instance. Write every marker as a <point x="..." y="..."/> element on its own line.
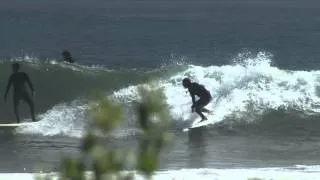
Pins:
<point x="88" y="142"/>
<point x="106" y="115"/>
<point x="148" y="161"/>
<point x="72" y="169"/>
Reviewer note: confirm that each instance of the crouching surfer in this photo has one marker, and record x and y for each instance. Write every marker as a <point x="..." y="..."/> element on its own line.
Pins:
<point x="203" y="94"/>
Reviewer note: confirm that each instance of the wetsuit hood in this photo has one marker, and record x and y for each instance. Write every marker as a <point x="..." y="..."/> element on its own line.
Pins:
<point x="186" y="82"/>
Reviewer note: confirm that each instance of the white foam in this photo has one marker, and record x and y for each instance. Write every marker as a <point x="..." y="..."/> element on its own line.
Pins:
<point x="66" y="119"/>
<point x="253" y="85"/>
<point x="278" y="173"/>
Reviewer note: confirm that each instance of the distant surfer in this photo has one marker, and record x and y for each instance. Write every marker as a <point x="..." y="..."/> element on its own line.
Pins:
<point x="66" y="55"/>
<point x="18" y="80"/>
<point x="203" y="94"/>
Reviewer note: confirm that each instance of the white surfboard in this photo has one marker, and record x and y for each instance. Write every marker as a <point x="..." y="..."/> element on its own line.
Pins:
<point x="15" y="124"/>
<point x="198" y="123"/>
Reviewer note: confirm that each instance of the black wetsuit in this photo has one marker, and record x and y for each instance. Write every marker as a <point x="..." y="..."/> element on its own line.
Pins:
<point x="67" y="57"/>
<point x="18" y="79"/>
<point x="204" y="97"/>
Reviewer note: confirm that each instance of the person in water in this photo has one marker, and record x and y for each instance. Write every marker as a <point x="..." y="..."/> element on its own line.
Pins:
<point x="203" y="94"/>
<point x="18" y="80"/>
<point x="66" y="55"/>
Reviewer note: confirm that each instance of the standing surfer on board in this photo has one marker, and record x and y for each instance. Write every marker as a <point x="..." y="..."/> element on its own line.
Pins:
<point x="18" y="80"/>
<point x="202" y="93"/>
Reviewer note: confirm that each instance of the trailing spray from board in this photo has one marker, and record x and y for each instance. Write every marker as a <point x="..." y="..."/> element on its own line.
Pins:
<point x="65" y="119"/>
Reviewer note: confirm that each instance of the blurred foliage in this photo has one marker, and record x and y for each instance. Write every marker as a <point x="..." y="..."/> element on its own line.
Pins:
<point x="111" y="163"/>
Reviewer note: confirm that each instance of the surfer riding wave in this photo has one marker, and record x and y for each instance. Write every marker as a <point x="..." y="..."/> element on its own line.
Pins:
<point x="204" y="95"/>
<point x="18" y="80"/>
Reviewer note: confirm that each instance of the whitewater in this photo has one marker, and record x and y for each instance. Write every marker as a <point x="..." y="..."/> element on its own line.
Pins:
<point x="293" y="173"/>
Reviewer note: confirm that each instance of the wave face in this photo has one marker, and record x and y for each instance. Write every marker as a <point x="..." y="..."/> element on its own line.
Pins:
<point x="250" y="92"/>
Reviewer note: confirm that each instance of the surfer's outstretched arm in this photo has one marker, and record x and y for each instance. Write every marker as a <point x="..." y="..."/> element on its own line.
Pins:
<point x="29" y="83"/>
<point x="193" y="99"/>
<point x="8" y="88"/>
<point x="193" y="106"/>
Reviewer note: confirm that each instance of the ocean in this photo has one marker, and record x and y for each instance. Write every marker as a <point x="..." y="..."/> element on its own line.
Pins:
<point x="258" y="58"/>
